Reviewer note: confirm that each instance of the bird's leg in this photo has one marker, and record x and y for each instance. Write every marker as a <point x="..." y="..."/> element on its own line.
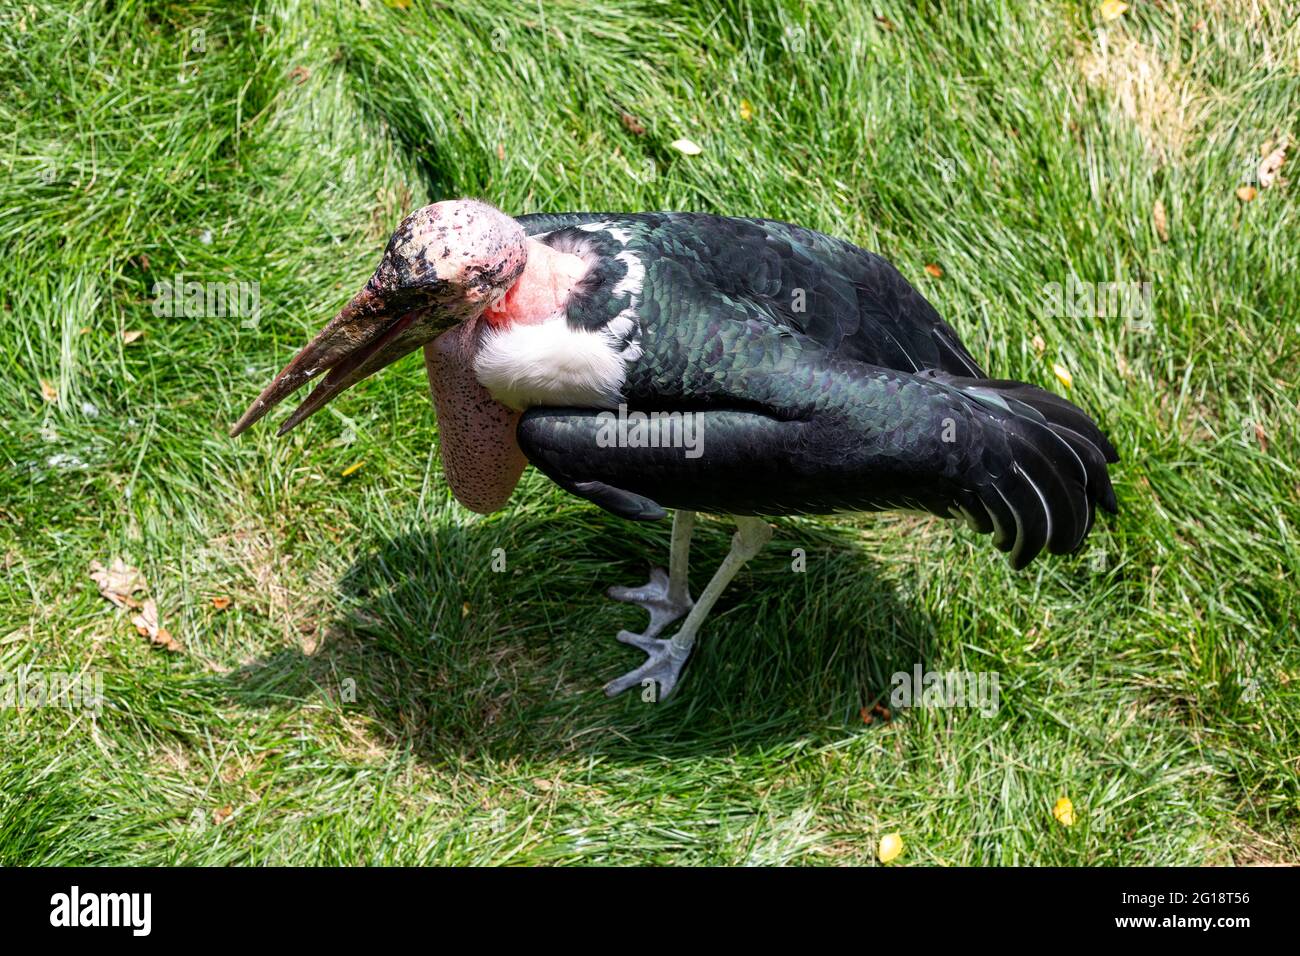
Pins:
<point x="659" y="674"/>
<point x="667" y="596"/>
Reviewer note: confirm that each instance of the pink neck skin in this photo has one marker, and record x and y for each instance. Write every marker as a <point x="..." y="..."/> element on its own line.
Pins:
<point x="541" y="290"/>
<point x="476" y="435"/>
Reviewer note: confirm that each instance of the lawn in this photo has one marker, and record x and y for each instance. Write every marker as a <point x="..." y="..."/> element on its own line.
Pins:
<point x="351" y="676"/>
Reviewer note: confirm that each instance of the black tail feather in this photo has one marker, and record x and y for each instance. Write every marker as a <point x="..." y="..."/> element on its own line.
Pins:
<point x="1056" y="410"/>
<point x="1047" y="474"/>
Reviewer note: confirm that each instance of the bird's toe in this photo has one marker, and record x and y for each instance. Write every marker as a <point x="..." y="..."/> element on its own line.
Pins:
<point x="657" y="599"/>
<point x="654" y="590"/>
<point x="645" y="642"/>
<point x="658" y="676"/>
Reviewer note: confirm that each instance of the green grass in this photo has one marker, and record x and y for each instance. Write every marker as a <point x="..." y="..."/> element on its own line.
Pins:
<point x="478" y="733"/>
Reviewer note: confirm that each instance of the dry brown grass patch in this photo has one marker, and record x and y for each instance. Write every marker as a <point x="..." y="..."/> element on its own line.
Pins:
<point x="1145" y="90"/>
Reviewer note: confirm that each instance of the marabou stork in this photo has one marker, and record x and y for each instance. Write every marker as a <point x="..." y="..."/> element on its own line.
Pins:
<point x="815" y="377"/>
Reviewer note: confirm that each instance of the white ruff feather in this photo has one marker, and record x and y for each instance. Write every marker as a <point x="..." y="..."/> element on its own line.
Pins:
<point x="631" y="283"/>
<point x="550" y="364"/>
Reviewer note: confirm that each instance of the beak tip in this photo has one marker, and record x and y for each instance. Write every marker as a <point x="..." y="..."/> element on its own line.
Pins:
<point x="254" y="412"/>
<point x="342" y="344"/>
<point x="296" y="418"/>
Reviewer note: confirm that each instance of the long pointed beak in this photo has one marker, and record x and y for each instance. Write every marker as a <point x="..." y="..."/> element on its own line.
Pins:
<point x="363" y="338"/>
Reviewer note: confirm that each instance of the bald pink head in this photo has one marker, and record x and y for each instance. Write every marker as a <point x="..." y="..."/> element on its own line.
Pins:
<point x="445" y="264"/>
<point x="460" y="252"/>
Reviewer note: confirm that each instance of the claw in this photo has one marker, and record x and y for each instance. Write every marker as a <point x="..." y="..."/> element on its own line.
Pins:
<point x="656" y="598"/>
<point x="659" y="674"/>
<point x="643" y="641"/>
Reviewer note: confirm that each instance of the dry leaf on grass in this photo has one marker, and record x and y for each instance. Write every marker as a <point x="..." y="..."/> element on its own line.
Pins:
<point x="146" y="622"/>
<point x="1261" y="437"/>
<point x="222" y="814"/>
<point x="1039" y="345"/>
<point x="118" y="583"/>
<point x="131" y="335"/>
<point x="1160" y="219"/>
<point x="1064" y="812"/>
<point x="49" y="392"/>
<point x="1113" y="9"/>
<point x="1272" y="162"/>
<point x="221" y="602"/>
<point x="889" y="848"/>
<point x="631" y="124"/>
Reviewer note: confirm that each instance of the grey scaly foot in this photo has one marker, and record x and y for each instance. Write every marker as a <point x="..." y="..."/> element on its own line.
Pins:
<point x="666" y="658"/>
<point x="657" y="598"/>
<point x="664" y="662"/>
<point x="667" y="598"/>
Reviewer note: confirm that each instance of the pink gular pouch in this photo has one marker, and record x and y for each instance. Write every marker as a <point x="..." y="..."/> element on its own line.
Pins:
<point x="476" y="433"/>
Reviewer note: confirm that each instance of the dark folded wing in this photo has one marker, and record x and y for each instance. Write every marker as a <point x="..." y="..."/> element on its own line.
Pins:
<point x="1013" y="462"/>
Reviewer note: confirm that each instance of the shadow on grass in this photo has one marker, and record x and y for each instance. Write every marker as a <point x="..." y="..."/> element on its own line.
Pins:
<point x="456" y="661"/>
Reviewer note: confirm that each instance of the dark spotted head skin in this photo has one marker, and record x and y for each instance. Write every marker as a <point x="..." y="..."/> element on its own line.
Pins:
<point x="461" y="255"/>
